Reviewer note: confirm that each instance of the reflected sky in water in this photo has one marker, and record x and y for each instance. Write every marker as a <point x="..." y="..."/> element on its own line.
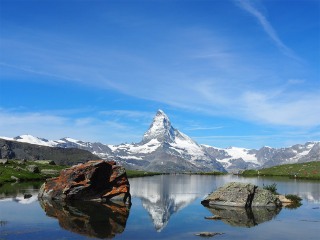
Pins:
<point x="164" y="207"/>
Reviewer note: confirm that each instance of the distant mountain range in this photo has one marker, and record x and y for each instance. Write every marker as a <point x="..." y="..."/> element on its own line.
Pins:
<point x="164" y="148"/>
<point x="64" y="156"/>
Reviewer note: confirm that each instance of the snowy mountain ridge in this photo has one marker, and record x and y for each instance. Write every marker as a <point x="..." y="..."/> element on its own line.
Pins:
<point x="164" y="148"/>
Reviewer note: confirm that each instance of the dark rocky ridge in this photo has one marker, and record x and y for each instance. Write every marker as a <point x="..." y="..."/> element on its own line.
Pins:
<point x="61" y="156"/>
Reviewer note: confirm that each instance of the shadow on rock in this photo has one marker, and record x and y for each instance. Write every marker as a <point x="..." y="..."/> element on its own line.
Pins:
<point x="243" y="217"/>
<point x="99" y="220"/>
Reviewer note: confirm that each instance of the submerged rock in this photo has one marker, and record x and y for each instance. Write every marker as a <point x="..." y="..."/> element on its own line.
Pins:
<point x="95" y="180"/>
<point x="208" y="234"/>
<point x="242" y="195"/>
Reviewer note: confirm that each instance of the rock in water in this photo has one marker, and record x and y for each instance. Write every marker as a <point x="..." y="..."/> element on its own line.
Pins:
<point x="242" y="195"/>
<point x="95" y="180"/>
<point x="208" y="234"/>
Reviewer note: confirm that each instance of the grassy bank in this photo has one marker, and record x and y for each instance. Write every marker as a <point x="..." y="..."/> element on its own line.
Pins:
<point x="209" y="173"/>
<point x="136" y="173"/>
<point x="309" y="170"/>
<point x="16" y="170"/>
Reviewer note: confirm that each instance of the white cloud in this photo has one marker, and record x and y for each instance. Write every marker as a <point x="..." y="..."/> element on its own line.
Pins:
<point x="300" y="109"/>
<point x="267" y="27"/>
<point x="128" y="113"/>
<point x="203" y="128"/>
<point x="212" y="77"/>
<point x="54" y="127"/>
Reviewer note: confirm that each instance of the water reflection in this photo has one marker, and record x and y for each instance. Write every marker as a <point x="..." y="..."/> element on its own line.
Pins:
<point x="17" y="190"/>
<point x="165" y="195"/>
<point x="244" y="217"/>
<point x="89" y="218"/>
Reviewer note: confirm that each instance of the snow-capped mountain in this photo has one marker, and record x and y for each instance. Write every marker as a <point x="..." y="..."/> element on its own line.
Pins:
<point x="165" y="149"/>
<point x="34" y="140"/>
<point x="97" y="148"/>
<point x="234" y="159"/>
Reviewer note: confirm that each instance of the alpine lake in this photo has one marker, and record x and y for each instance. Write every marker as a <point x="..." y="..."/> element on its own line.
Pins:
<point x="163" y="207"/>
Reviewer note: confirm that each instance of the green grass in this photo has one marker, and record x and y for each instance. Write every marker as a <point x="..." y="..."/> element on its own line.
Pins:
<point x="272" y="188"/>
<point x="136" y="173"/>
<point x="9" y="189"/>
<point x="208" y="173"/>
<point x="18" y="170"/>
<point x="308" y="170"/>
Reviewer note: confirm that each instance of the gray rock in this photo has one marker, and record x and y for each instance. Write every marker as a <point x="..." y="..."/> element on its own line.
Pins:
<point x="242" y="195"/>
<point x="49" y="172"/>
<point x="232" y="194"/>
<point x="4" y="161"/>
<point x="263" y="197"/>
<point x="15" y="178"/>
<point x="27" y="195"/>
<point x="33" y="169"/>
<point x="208" y="234"/>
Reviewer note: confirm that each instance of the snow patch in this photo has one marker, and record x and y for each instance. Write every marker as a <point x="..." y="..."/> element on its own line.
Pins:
<point x="243" y="153"/>
<point x="35" y="140"/>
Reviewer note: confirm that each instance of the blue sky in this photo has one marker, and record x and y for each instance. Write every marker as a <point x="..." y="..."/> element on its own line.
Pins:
<point x="227" y="73"/>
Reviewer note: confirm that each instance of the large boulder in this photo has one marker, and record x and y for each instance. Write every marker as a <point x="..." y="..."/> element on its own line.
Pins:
<point x="242" y="195"/>
<point x="97" y="180"/>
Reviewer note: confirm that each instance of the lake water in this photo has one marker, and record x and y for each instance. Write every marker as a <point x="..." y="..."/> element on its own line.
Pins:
<point x="163" y="207"/>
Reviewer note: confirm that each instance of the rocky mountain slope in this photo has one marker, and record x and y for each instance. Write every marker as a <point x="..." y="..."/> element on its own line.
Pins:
<point x="164" y="148"/>
<point x="64" y="156"/>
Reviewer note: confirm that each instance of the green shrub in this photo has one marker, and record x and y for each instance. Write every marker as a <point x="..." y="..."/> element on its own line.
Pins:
<point x="272" y="188"/>
<point x="294" y="198"/>
<point x="296" y="201"/>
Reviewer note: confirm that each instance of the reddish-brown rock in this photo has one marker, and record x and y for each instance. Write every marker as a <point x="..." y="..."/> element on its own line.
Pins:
<point x="95" y="180"/>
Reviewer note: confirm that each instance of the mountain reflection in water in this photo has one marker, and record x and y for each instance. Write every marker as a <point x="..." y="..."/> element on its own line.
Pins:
<point x="165" y="195"/>
<point x="244" y="217"/>
<point x="89" y="218"/>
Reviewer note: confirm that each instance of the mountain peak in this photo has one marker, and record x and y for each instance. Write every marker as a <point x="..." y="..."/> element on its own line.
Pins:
<point x="160" y="112"/>
<point x="159" y="129"/>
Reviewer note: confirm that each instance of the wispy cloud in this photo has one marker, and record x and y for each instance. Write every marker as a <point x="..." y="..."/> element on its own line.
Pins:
<point x="267" y="27"/>
<point x="211" y="77"/>
<point x="295" y="109"/>
<point x="57" y="126"/>
<point x="279" y="138"/>
<point x="203" y="128"/>
<point x="128" y="113"/>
